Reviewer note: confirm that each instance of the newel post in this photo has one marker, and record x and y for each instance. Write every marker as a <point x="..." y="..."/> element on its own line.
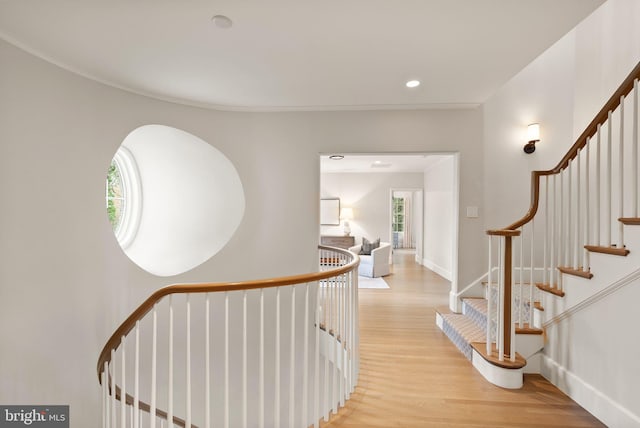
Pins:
<point x="504" y="307"/>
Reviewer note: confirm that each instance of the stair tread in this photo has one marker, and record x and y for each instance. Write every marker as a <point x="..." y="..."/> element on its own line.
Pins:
<point x="465" y="327"/>
<point x="576" y="272"/>
<point x="614" y="251"/>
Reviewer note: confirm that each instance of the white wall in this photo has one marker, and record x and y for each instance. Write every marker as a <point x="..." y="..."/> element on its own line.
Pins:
<point x="369" y="194"/>
<point x="563" y="89"/>
<point x="65" y="284"/>
<point x="439" y="217"/>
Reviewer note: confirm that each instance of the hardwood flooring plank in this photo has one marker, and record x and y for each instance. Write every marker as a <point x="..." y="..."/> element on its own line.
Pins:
<point x="411" y="375"/>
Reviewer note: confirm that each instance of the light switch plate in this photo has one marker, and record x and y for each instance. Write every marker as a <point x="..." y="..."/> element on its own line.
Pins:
<point x="472" y="212"/>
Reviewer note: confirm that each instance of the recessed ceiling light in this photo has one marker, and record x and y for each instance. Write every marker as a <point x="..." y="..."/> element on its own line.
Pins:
<point x="336" y="157"/>
<point x="413" y="83"/>
<point x="222" y="21"/>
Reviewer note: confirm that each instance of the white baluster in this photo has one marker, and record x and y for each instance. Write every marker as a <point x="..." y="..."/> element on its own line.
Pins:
<point x="226" y="360"/>
<point x="305" y="367"/>
<point x="489" y="298"/>
<point x="207" y="362"/>
<point x="316" y="374"/>
<point x="547" y="228"/>
<point x="261" y="363"/>
<point x="154" y="368"/>
<point x="276" y="400"/>
<point x="105" y="396"/>
<point x="560" y="229"/>
<point x="519" y="308"/>
<point x="292" y="360"/>
<point x="587" y="211"/>
<point x="244" y="359"/>
<point x="568" y="242"/>
<point x="113" y="389"/>
<point x="326" y="339"/>
<point x="188" y="363"/>
<point x="136" y="378"/>
<point x="621" y="176"/>
<point x="500" y="320"/>
<point x="170" y="392"/>
<point x="634" y="154"/>
<point x="552" y="240"/>
<point x="123" y="389"/>
<point x="531" y="283"/>
<point x="598" y="224"/>
<point x="608" y="205"/>
<point x="576" y="234"/>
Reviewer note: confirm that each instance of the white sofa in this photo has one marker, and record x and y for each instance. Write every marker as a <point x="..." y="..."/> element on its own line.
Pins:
<point x="377" y="264"/>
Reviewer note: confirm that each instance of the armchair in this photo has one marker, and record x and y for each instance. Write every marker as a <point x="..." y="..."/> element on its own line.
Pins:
<point x="377" y="264"/>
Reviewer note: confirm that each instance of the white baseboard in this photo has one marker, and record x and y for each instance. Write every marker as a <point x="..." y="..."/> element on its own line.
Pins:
<point x="595" y="402"/>
<point x="446" y="274"/>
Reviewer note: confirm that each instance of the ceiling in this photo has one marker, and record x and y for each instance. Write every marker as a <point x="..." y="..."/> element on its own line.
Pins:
<point x="296" y="54"/>
<point x="380" y="163"/>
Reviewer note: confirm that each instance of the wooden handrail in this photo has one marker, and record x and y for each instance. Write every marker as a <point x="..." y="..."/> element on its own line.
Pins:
<point x="147" y="306"/>
<point x="613" y="102"/>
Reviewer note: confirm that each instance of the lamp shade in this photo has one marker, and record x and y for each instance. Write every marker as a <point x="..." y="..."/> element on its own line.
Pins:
<point x="346" y="213"/>
<point x="533" y="132"/>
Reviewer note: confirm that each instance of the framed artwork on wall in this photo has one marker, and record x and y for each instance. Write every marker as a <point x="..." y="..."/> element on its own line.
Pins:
<point x="330" y="212"/>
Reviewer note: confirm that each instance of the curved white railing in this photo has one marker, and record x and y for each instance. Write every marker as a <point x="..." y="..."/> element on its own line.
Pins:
<point x="279" y="352"/>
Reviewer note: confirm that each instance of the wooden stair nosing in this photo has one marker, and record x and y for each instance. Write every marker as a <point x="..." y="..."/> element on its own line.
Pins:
<point x="549" y="289"/>
<point x="607" y="250"/>
<point x="576" y="272"/>
<point x="526" y="329"/>
<point x="481" y="348"/>
<point x="536" y="305"/>
<point x="630" y="221"/>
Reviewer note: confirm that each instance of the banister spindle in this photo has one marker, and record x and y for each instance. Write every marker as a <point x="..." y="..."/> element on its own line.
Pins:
<point x="113" y="389"/>
<point x="489" y="299"/>
<point x="305" y="358"/>
<point x="154" y="367"/>
<point x="170" y="380"/>
<point x="553" y="241"/>
<point x="576" y="234"/>
<point x="621" y="194"/>
<point x="136" y="378"/>
<point x="568" y="243"/>
<point x="545" y="238"/>
<point x="292" y="360"/>
<point x="500" y="300"/>
<point x="587" y="211"/>
<point x="261" y="364"/>
<point x="634" y="154"/>
<point x="531" y="283"/>
<point x="609" y="187"/>
<point x="207" y="362"/>
<point x="276" y="401"/>
<point x="519" y="308"/>
<point x="598" y="223"/>
<point x="245" y="379"/>
<point x="316" y="373"/>
<point x="226" y="360"/>
<point x="560" y="230"/>
<point x="188" y="364"/>
<point x="123" y="389"/>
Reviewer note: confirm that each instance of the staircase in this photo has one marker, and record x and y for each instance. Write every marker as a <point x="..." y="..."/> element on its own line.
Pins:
<point x="577" y="245"/>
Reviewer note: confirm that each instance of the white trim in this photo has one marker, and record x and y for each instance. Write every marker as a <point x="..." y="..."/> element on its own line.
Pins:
<point x="505" y="378"/>
<point x="130" y="175"/>
<point x="446" y="274"/>
<point x="594" y="401"/>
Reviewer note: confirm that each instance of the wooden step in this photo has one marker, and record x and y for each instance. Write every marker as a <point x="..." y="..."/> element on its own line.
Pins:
<point x="630" y="221"/>
<point x="550" y="289"/>
<point x="481" y="348"/>
<point x="614" y="251"/>
<point x="537" y="306"/>
<point x="526" y="329"/>
<point x="576" y="272"/>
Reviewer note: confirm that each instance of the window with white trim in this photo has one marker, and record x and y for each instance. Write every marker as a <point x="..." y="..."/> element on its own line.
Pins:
<point x="123" y="196"/>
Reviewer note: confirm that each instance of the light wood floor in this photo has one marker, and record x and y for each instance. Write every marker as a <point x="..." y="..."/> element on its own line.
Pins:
<point x="411" y="375"/>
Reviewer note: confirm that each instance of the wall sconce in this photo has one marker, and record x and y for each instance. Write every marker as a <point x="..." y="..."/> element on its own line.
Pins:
<point x="346" y="214"/>
<point x="533" y="134"/>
